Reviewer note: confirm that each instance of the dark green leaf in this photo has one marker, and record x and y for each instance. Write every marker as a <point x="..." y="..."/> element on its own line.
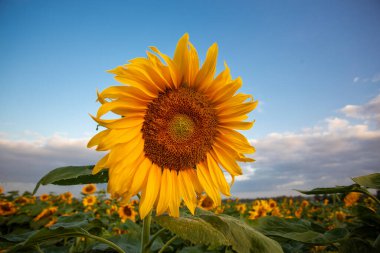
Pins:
<point x="72" y="175"/>
<point x="298" y="230"/>
<point x="76" y="220"/>
<point x="331" y="190"/>
<point x="369" y="181"/>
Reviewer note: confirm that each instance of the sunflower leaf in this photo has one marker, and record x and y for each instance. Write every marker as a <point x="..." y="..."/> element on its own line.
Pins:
<point x="298" y="230"/>
<point x="332" y="190"/>
<point x="219" y="230"/>
<point x="369" y="181"/>
<point x="72" y="175"/>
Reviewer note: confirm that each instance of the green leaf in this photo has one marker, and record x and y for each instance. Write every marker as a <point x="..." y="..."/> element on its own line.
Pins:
<point x="331" y="190"/>
<point x="72" y="175"/>
<point x="355" y="245"/>
<point x="19" y="219"/>
<point x="76" y="220"/>
<point x="219" y="230"/>
<point x="44" y="235"/>
<point x="298" y="230"/>
<point x="241" y="236"/>
<point x="369" y="181"/>
<point x="193" y="229"/>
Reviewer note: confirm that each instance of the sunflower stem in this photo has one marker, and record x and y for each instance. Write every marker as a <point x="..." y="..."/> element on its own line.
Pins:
<point x="146" y="234"/>
<point x="168" y="243"/>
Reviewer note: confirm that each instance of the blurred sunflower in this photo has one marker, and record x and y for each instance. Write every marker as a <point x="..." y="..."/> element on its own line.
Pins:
<point x="1" y="189"/>
<point x="205" y="202"/>
<point x="351" y="198"/>
<point x="127" y="213"/>
<point x="44" y="197"/>
<point x="66" y="197"/>
<point x="89" y="200"/>
<point x="176" y="131"/>
<point x="7" y="208"/>
<point x="89" y="189"/>
<point x="46" y="213"/>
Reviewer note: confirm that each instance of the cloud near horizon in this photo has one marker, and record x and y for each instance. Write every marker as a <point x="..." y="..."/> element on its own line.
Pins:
<point x="324" y="155"/>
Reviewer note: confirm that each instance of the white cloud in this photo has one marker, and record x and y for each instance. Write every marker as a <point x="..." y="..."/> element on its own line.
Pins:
<point x="368" y="111"/>
<point x="374" y="79"/>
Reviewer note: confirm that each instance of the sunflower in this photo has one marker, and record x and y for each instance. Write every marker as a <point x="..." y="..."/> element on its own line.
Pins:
<point x="66" y="197"/>
<point x="89" y="200"/>
<point x="1" y="190"/>
<point x="175" y="132"/>
<point x="351" y="198"/>
<point x="46" y="213"/>
<point x="89" y="189"/>
<point x="44" y="197"/>
<point x="127" y="213"/>
<point x="7" y="208"/>
<point x="206" y="203"/>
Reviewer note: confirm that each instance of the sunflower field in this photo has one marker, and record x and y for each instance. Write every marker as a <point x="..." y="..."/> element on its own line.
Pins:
<point x="337" y="219"/>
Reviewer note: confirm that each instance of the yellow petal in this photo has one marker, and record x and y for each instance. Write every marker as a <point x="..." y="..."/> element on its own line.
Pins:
<point x="217" y="176"/>
<point x="127" y="106"/>
<point x="151" y="190"/>
<point x="226" y="161"/>
<point x="140" y="176"/>
<point x="98" y="138"/>
<point x="207" y="183"/>
<point x="207" y="72"/>
<point x="117" y="136"/>
<point x="237" y="125"/>
<point x="174" y="72"/>
<point x="165" y="192"/>
<point x="193" y="64"/>
<point x="237" y="110"/>
<point x="174" y="198"/>
<point x="187" y="190"/>
<point x="117" y="92"/>
<point x="100" y="164"/>
<point x="181" y="58"/>
<point x="125" y="122"/>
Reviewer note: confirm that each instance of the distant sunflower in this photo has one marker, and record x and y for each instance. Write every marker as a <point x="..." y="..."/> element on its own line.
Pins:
<point x="46" y="213"/>
<point x="206" y="203"/>
<point x="7" y="208"/>
<point x="127" y="213"/>
<point x="89" y="189"/>
<point x="176" y="131"/>
<point x="89" y="200"/>
<point x="44" y="197"/>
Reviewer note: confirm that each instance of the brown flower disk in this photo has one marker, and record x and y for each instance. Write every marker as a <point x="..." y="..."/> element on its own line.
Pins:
<point x="179" y="129"/>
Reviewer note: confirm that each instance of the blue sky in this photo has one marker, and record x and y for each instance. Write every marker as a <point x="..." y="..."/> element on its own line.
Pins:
<point x="303" y="60"/>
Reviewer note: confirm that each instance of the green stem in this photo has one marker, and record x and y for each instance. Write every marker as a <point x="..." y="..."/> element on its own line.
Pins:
<point x="146" y="233"/>
<point x="154" y="237"/>
<point x="168" y="243"/>
<point x="101" y="239"/>
<point x="39" y="250"/>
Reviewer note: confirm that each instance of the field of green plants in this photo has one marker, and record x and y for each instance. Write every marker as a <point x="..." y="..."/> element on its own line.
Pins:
<point x="337" y="219"/>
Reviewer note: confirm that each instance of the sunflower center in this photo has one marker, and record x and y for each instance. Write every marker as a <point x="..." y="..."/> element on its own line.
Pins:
<point x="127" y="211"/>
<point x="179" y="129"/>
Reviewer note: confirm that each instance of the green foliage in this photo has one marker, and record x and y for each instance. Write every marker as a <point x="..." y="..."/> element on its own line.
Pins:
<point x="219" y="230"/>
<point x="73" y="175"/>
<point x="299" y="230"/>
<point x="369" y="181"/>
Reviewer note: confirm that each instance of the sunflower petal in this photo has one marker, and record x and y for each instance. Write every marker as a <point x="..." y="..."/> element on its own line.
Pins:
<point x="187" y="190"/>
<point x="165" y="192"/>
<point x="217" y="176"/>
<point x="207" y="183"/>
<point x="150" y="191"/>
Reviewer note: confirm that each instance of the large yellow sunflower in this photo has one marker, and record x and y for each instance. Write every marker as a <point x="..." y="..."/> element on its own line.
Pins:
<point x="176" y="132"/>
